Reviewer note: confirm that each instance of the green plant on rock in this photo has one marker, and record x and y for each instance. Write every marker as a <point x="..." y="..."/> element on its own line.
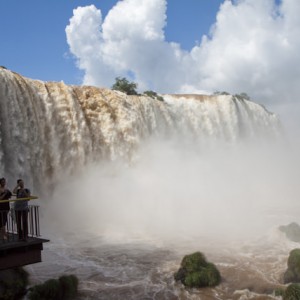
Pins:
<point x="48" y="290"/>
<point x="62" y="289"/>
<point x="221" y="93"/>
<point x="123" y="85"/>
<point x="194" y="279"/>
<point x="292" y="292"/>
<point x="153" y="95"/>
<point x="150" y="94"/>
<point x="279" y="292"/>
<point x="194" y="262"/>
<point x="13" y="283"/>
<point x="292" y="231"/>
<point x="69" y="286"/>
<point x="212" y="275"/>
<point x="195" y="271"/>
<point x="242" y="96"/>
<point x="292" y="274"/>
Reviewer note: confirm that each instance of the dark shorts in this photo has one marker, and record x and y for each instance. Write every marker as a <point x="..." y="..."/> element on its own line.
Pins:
<point x="3" y="217"/>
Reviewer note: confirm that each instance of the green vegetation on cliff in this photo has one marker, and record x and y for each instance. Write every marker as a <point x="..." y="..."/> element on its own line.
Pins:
<point x="123" y="85"/>
<point x="153" y="95"/>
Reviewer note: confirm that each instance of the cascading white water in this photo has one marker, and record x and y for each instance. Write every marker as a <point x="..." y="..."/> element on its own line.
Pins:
<point x="49" y="130"/>
<point x="193" y="178"/>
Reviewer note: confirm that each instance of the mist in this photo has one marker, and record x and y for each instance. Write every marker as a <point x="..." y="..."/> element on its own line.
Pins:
<point x="180" y="190"/>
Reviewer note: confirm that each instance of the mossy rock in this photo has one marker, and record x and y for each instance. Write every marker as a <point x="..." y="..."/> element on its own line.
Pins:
<point x="69" y="286"/>
<point x="292" y="292"/>
<point x="292" y="274"/>
<point x="195" y="271"/>
<point x="194" y="262"/>
<point x="47" y="291"/>
<point x="64" y="288"/>
<point x="292" y="231"/>
<point x="279" y="292"/>
<point x="13" y="283"/>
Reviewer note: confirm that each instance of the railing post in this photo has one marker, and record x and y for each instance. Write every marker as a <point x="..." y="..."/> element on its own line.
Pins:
<point x="30" y="221"/>
<point x="37" y="220"/>
<point x="11" y="224"/>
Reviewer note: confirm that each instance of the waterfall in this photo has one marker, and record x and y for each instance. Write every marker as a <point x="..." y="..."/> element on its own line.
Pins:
<point x="50" y="129"/>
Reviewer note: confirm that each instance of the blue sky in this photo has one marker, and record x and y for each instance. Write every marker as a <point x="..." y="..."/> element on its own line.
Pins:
<point x="33" y="38"/>
<point x="168" y="46"/>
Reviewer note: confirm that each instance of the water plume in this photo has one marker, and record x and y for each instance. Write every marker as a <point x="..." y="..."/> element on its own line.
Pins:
<point x="174" y="194"/>
<point x="112" y="164"/>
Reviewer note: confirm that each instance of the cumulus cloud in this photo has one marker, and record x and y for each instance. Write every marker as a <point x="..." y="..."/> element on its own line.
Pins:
<point x="253" y="47"/>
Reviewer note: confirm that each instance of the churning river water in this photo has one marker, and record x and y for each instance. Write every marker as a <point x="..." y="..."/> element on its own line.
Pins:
<point x="109" y="268"/>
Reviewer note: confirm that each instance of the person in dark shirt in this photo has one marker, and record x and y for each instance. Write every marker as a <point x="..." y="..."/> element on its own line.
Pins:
<point x="5" y="194"/>
<point x="21" y="209"/>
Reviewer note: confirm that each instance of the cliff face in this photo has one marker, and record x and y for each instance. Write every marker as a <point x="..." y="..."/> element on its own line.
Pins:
<point x="49" y="127"/>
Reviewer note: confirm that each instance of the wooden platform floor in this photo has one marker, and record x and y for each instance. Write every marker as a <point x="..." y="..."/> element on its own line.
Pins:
<point x="14" y="242"/>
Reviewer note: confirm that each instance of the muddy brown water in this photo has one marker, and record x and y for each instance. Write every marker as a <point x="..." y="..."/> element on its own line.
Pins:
<point x="144" y="270"/>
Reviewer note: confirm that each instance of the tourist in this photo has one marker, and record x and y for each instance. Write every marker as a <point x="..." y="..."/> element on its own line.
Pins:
<point x="21" y="209"/>
<point x="5" y="194"/>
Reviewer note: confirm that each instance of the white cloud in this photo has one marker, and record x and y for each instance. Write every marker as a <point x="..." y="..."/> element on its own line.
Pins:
<point x="85" y="40"/>
<point x="253" y="47"/>
<point x="131" y="39"/>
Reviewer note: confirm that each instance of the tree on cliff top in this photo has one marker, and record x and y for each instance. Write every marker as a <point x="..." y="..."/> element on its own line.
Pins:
<point x="123" y="85"/>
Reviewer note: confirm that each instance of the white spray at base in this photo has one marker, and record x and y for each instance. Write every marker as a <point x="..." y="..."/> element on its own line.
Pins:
<point x="173" y="194"/>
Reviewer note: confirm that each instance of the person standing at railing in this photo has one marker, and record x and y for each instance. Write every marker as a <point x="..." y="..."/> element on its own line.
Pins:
<point x="5" y="194"/>
<point x="21" y="209"/>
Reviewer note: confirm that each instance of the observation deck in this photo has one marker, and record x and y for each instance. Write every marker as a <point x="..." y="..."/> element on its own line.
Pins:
<point x="15" y="252"/>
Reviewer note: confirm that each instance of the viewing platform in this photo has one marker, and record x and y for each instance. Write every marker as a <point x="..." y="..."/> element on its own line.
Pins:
<point x="15" y="252"/>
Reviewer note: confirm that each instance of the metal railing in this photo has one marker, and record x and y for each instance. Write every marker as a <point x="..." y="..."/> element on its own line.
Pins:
<point x="8" y="218"/>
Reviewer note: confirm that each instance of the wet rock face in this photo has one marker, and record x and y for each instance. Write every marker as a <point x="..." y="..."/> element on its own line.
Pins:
<point x="292" y="231"/>
<point x="292" y="274"/>
<point x="195" y="271"/>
